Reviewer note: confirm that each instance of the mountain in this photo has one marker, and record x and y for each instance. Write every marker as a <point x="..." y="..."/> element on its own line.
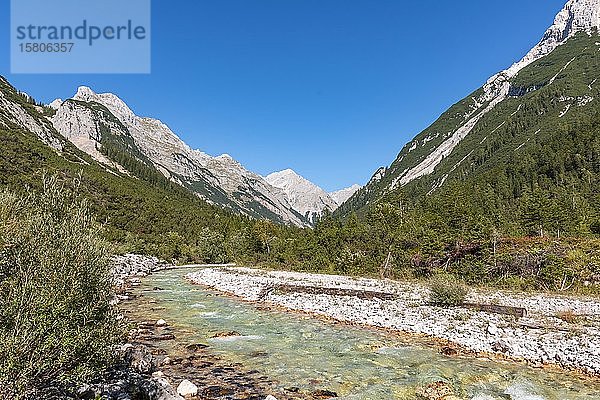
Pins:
<point x="103" y="126"/>
<point x="516" y="120"/>
<point x="19" y="112"/>
<point x="341" y="196"/>
<point x="304" y="196"/>
<point x="139" y="208"/>
<point x="307" y="198"/>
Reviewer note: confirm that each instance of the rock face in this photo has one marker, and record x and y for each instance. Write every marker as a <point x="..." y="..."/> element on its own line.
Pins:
<point x="94" y="121"/>
<point x="82" y="127"/>
<point x="15" y="114"/>
<point x="305" y="197"/>
<point x="341" y="196"/>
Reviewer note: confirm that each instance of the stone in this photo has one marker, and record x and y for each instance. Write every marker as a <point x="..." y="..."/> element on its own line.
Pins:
<point x="187" y="389"/>
<point x="500" y="346"/>
<point x="140" y="359"/>
<point x="225" y="334"/>
<point x="162" y="390"/>
<point x="217" y="392"/>
<point x="449" y="351"/>
<point x="323" y="394"/>
<point x="435" y="391"/>
<point x="161" y="322"/>
<point x="492" y="329"/>
<point x="269" y="397"/>
<point x="195" y="347"/>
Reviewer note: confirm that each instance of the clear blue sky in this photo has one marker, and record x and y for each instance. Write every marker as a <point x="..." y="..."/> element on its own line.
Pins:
<point x="330" y="88"/>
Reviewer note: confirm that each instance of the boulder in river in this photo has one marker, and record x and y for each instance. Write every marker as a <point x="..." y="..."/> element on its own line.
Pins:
<point x="187" y="389"/>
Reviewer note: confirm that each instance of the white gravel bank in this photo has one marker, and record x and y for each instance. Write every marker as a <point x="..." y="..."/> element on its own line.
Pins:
<point x="539" y="338"/>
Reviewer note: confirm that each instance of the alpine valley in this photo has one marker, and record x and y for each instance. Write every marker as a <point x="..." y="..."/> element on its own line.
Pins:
<point x="479" y="243"/>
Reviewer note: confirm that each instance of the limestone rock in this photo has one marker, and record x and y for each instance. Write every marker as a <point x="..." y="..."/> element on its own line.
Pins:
<point x="187" y="389"/>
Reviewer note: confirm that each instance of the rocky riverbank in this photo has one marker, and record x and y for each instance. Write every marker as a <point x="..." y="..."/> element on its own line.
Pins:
<point x="557" y="330"/>
<point x="159" y="365"/>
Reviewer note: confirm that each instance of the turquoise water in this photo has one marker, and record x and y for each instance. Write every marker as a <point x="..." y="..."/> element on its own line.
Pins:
<point x="357" y="363"/>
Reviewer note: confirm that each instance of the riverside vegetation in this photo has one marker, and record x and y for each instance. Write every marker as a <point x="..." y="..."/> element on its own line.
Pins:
<point x="57" y="326"/>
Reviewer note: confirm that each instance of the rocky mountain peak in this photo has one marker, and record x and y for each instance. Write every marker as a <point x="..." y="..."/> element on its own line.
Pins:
<point x="55" y="104"/>
<point x="84" y="93"/>
<point x="304" y="196"/>
<point x="575" y="17"/>
<point x="341" y="196"/>
<point x="219" y="180"/>
<point x="116" y="106"/>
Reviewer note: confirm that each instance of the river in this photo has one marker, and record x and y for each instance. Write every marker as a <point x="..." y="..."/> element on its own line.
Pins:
<point x="357" y="363"/>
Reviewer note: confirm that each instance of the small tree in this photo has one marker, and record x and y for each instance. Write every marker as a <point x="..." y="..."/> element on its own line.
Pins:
<point x="447" y="291"/>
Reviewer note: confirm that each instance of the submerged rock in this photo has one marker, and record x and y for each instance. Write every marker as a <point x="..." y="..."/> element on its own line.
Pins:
<point x="225" y="334"/>
<point x="323" y="394"/>
<point x="436" y="391"/>
<point x="195" y="347"/>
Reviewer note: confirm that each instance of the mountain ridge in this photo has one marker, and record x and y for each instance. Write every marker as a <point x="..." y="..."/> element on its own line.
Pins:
<point x="220" y="180"/>
<point x="427" y="153"/>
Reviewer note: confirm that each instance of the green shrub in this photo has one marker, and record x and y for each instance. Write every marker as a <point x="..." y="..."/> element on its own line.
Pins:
<point x="447" y="291"/>
<point x="57" y="326"/>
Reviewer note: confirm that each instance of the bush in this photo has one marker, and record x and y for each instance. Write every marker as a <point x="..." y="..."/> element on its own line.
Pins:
<point x="447" y="291"/>
<point x="57" y="327"/>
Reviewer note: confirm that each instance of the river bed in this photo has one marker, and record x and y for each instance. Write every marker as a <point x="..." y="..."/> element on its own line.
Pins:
<point x="300" y="352"/>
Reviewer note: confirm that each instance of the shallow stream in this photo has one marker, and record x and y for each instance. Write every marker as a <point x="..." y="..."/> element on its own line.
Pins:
<point x="305" y="353"/>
